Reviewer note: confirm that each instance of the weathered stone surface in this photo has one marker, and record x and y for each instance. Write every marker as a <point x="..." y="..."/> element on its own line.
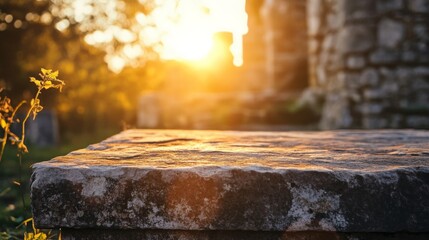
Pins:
<point x="390" y="33"/>
<point x="79" y="234"/>
<point x="356" y="62"/>
<point x="418" y="121"/>
<point x="355" y="38"/>
<point x="384" y="56"/>
<point x="371" y="108"/>
<point x="384" y="6"/>
<point x="420" y="6"/>
<point x="348" y="181"/>
<point x="369" y="77"/>
<point x="361" y="9"/>
<point x="364" y="37"/>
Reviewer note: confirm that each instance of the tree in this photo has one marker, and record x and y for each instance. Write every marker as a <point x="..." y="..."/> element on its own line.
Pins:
<point x="56" y="34"/>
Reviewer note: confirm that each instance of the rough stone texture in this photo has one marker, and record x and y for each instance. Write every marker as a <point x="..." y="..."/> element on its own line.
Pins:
<point x="351" y="38"/>
<point x="420" y="6"/>
<point x="390" y="33"/>
<point x="346" y="181"/>
<point x="70" y="234"/>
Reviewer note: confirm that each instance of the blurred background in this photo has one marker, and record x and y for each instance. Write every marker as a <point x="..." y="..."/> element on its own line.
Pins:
<point x="202" y="64"/>
<point x="206" y="64"/>
<point x="148" y="64"/>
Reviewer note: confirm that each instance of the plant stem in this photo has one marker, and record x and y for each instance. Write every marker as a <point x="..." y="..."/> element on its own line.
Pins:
<point x="20" y="181"/>
<point x="28" y="115"/>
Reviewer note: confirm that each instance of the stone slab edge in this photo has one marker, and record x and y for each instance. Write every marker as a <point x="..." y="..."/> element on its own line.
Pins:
<point x="215" y="198"/>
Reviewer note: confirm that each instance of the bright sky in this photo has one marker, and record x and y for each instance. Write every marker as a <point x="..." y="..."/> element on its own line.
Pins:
<point x="185" y="29"/>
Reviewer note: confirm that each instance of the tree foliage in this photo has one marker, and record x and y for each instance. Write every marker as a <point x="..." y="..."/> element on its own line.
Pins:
<point x="33" y="34"/>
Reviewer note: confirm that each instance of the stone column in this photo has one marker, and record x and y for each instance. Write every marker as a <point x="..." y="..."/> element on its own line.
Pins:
<point x="254" y="53"/>
<point x="286" y="44"/>
<point x="371" y="58"/>
<point x="276" y="45"/>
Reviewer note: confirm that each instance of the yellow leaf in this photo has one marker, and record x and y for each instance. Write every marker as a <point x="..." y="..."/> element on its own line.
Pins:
<point x="54" y="74"/>
<point x="41" y="236"/>
<point x="28" y="236"/>
<point x="46" y="71"/>
<point x="3" y="124"/>
<point x="37" y="82"/>
<point x="48" y="83"/>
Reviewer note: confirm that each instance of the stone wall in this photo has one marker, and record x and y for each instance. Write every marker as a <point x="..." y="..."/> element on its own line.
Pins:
<point x="371" y="59"/>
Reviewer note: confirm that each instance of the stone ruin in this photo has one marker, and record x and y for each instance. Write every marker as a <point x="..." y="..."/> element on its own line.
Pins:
<point x="359" y="64"/>
<point x="368" y="58"/>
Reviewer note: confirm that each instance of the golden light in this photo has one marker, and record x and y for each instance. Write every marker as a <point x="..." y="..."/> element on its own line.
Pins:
<point x="182" y="47"/>
<point x="192" y="38"/>
<point x="184" y="29"/>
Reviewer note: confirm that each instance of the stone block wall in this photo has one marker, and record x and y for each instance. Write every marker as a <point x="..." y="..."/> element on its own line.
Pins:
<point x="371" y="59"/>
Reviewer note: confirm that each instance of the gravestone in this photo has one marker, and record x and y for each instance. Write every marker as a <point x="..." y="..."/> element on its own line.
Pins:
<point x="43" y="131"/>
<point x="149" y="111"/>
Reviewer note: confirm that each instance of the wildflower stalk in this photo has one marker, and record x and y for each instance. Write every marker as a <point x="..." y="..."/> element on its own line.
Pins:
<point x="7" y="117"/>
<point x="22" y="147"/>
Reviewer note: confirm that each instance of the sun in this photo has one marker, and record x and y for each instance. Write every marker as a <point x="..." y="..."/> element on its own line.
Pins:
<point x="177" y="30"/>
<point x="191" y="37"/>
<point x="185" y="48"/>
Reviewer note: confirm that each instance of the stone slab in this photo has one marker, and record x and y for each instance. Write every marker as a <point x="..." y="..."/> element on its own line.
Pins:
<point x="90" y="234"/>
<point x="343" y="181"/>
